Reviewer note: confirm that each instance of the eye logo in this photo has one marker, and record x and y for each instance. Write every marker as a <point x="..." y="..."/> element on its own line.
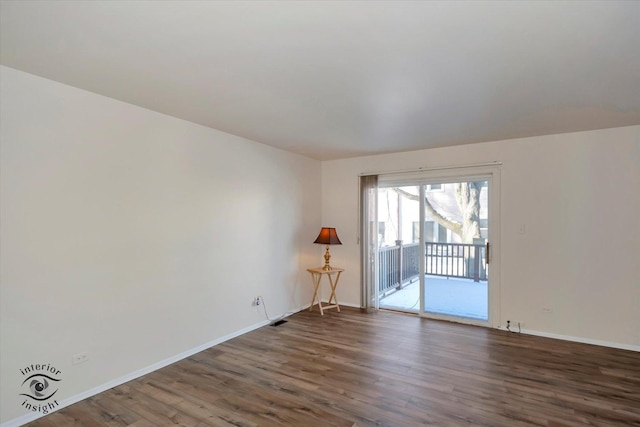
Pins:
<point x="39" y="387"/>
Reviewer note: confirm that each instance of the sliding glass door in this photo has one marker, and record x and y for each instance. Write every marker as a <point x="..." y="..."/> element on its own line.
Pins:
<point x="434" y="249"/>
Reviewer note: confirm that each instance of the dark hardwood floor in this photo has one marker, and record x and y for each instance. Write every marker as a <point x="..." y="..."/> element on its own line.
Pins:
<point x="355" y="369"/>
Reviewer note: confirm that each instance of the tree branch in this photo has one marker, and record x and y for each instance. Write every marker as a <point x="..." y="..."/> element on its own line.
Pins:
<point x="452" y="225"/>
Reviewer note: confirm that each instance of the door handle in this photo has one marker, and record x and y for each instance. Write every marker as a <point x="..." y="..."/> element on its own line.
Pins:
<point x="488" y="252"/>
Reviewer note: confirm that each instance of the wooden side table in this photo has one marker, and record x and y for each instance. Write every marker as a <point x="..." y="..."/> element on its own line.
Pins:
<point x="334" y="276"/>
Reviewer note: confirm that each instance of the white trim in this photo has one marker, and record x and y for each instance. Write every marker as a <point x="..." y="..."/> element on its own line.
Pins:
<point x="340" y="303"/>
<point x="348" y="304"/>
<point x="524" y="331"/>
<point x="19" y="421"/>
<point x="457" y="319"/>
<point x="32" y="416"/>
<point x="528" y="332"/>
<point x="576" y="339"/>
<point x="429" y="169"/>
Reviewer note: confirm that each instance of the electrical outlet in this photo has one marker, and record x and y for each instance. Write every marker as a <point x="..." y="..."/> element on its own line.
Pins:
<point x="79" y="358"/>
<point x="547" y="310"/>
<point x="514" y="325"/>
<point x="257" y="301"/>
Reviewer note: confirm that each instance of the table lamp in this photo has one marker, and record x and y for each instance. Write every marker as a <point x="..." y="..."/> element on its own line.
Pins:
<point x="327" y="236"/>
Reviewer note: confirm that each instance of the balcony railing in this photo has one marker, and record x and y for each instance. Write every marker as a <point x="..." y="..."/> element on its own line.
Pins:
<point x="399" y="264"/>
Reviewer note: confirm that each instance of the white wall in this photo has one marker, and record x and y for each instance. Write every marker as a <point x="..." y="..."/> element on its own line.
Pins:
<point x="134" y="236"/>
<point x="578" y="195"/>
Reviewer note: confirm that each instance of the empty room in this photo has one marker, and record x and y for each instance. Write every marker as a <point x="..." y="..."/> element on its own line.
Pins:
<point x="319" y="213"/>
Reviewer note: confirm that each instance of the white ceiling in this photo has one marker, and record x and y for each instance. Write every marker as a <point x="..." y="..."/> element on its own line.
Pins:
<point x="339" y="79"/>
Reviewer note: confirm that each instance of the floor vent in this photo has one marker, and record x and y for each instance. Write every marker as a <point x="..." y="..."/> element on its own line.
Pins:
<point x="279" y="322"/>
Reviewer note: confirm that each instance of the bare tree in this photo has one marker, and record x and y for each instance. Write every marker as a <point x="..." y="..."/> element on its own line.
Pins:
<point x="468" y="200"/>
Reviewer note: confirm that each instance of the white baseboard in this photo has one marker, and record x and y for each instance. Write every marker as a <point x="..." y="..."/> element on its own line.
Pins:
<point x="32" y="416"/>
<point x="550" y="335"/>
<point x="576" y="339"/>
<point x="346" y="304"/>
<point x="16" y="422"/>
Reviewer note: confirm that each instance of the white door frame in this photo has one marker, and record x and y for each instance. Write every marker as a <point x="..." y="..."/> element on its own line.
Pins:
<point x="490" y="173"/>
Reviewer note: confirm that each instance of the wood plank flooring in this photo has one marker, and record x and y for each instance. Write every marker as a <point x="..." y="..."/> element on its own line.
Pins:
<point x="382" y="369"/>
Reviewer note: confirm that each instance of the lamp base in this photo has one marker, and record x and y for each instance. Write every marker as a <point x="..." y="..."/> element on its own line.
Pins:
<point x="327" y="256"/>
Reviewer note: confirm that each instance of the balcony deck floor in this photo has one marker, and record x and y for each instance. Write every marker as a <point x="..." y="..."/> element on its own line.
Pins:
<point x="456" y="297"/>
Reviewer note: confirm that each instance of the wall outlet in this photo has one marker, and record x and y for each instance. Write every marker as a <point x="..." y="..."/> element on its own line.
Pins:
<point x="79" y="358"/>
<point x="514" y="325"/>
<point x="547" y="310"/>
<point x="257" y="301"/>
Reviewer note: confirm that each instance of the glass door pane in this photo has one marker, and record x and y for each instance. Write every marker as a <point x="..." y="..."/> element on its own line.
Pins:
<point x="399" y="248"/>
<point x="456" y="282"/>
